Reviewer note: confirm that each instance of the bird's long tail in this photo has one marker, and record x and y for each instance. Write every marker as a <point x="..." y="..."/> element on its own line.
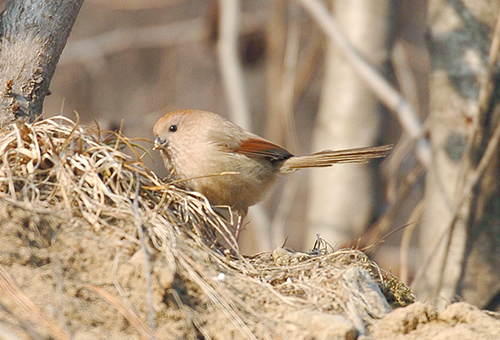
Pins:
<point x="328" y="158"/>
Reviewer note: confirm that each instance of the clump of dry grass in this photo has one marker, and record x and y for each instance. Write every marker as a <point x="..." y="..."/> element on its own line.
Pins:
<point x="59" y="165"/>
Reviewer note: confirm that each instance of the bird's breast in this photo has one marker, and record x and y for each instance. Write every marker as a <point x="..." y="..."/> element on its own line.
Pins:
<point x="224" y="177"/>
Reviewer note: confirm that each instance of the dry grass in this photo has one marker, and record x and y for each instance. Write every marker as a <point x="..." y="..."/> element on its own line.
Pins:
<point x="56" y="165"/>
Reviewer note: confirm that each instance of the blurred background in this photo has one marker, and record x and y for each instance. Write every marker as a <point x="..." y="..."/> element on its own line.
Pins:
<point x="129" y="62"/>
<point x="323" y="74"/>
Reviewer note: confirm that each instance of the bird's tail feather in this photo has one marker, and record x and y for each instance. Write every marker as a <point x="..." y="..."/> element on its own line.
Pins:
<point x="328" y="158"/>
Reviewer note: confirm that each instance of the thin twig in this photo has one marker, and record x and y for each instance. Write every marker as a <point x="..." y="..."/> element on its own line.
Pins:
<point x="406" y="78"/>
<point x="383" y="224"/>
<point x="379" y="85"/>
<point x="415" y="216"/>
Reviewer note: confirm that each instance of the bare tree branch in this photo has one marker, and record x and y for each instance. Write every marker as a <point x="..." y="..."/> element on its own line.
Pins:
<point x="380" y="86"/>
<point x="33" y="35"/>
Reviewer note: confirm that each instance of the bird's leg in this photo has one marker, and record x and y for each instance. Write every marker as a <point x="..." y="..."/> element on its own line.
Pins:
<point x="238" y="226"/>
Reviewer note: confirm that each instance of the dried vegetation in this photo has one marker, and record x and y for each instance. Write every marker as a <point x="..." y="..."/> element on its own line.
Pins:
<point x="193" y="282"/>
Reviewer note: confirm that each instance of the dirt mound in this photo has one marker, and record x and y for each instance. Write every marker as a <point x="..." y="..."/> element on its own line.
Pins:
<point x="95" y="246"/>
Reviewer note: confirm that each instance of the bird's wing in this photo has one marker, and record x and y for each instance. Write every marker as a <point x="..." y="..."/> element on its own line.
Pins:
<point x="261" y="148"/>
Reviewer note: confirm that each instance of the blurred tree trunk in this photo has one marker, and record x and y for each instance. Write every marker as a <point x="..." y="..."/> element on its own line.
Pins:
<point x="341" y="197"/>
<point x="33" y="35"/>
<point x="276" y="43"/>
<point x="465" y="254"/>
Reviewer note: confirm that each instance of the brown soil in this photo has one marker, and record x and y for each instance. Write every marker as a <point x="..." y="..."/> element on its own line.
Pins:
<point x="56" y="260"/>
<point x="95" y="246"/>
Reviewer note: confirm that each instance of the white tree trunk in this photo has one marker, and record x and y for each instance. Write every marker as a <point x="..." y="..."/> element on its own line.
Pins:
<point x="349" y="116"/>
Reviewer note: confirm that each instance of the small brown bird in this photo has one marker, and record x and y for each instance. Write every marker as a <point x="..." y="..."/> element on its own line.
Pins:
<point x="230" y="165"/>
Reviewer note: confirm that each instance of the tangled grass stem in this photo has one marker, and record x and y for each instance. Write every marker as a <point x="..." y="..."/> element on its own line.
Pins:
<point x="61" y="164"/>
<point x="58" y="165"/>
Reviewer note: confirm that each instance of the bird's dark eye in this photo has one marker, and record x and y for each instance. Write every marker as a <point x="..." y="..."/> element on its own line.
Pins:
<point x="172" y="128"/>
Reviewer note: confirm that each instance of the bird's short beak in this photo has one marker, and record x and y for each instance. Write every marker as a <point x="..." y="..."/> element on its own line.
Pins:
<point x="159" y="143"/>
